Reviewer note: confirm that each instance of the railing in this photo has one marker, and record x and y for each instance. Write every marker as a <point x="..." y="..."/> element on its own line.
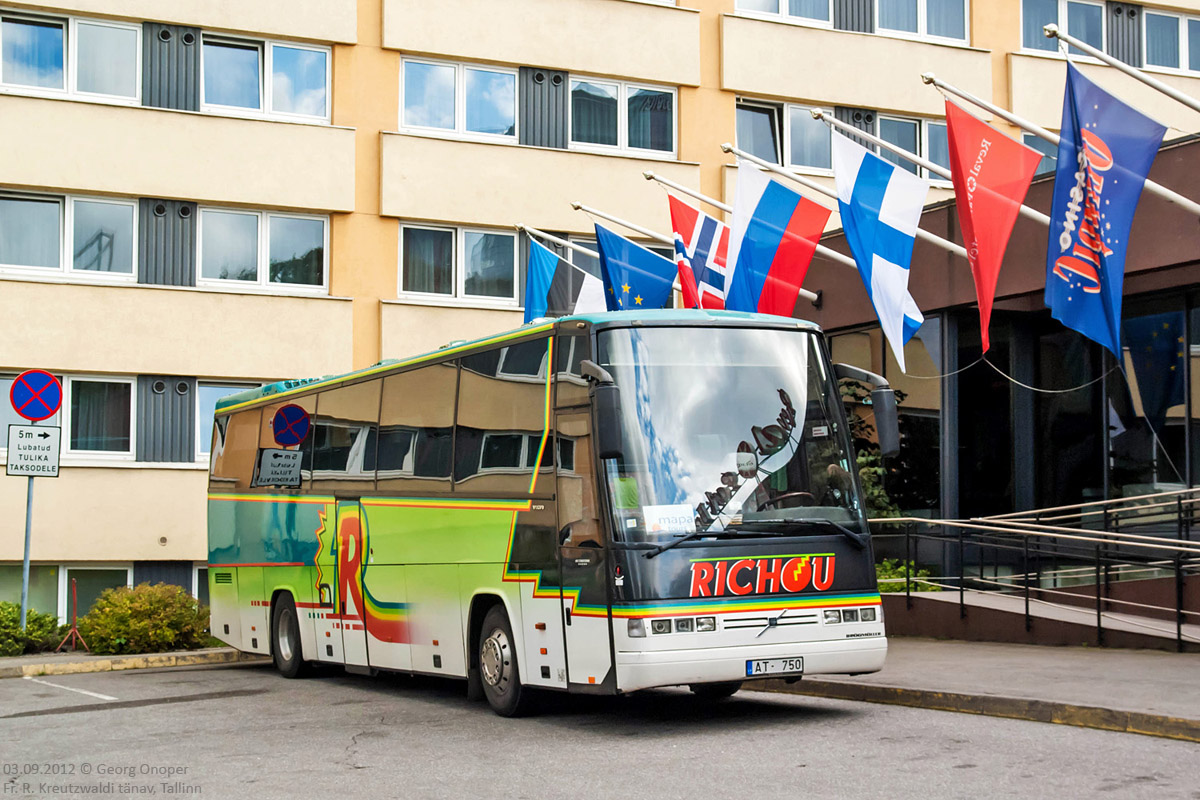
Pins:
<point x="1039" y="551"/>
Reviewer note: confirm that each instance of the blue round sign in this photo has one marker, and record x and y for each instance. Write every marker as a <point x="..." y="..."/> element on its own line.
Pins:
<point x="290" y="425"/>
<point x="36" y="395"/>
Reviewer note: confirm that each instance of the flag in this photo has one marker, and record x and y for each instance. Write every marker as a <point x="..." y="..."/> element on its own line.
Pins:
<point x="633" y="276"/>
<point x="1157" y="352"/>
<point x="881" y="205"/>
<point x="1105" y="153"/>
<point x="991" y="174"/>
<point x="554" y="288"/>
<point x="701" y="249"/>
<point x="773" y="235"/>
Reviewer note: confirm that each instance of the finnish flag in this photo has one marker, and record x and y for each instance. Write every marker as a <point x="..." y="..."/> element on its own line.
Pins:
<point x="881" y="206"/>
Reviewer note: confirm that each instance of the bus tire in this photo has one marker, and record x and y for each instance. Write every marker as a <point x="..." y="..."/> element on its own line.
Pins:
<point x="716" y="691"/>
<point x="286" y="649"/>
<point x="499" y="669"/>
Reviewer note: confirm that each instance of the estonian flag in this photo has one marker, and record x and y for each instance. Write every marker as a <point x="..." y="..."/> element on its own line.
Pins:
<point x="635" y="277"/>
<point x="554" y="288"/>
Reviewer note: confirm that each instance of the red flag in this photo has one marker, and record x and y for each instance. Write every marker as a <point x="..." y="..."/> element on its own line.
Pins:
<point x="701" y="246"/>
<point x="991" y="175"/>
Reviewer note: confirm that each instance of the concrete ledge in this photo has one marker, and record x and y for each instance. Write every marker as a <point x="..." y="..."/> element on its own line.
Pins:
<point x="1105" y="719"/>
<point x="224" y="655"/>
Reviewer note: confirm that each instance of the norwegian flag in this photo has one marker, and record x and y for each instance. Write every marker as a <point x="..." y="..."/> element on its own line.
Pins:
<point x="701" y="252"/>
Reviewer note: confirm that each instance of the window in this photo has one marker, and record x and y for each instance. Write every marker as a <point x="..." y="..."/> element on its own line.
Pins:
<point x="1083" y="20"/>
<point x="282" y="80"/>
<point x="76" y="235"/>
<point x="207" y="395"/>
<point x="806" y="10"/>
<point x="255" y="248"/>
<point x="610" y="114"/>
<point x="805" y="142"/>
<point x="90" y="583"/>
<point x="922" y="137"/>
<point x="459" y="98"/>
<point x="809" y="142"/>
<point x="1172" y="42"/>
<point x="455" y="262"/>
<point x="943" y="19"/>
<point x="758" y="130"/>
<point x="99" y="60"/>
<point x="1049" y="153"/>
<point x="99" y="416"/>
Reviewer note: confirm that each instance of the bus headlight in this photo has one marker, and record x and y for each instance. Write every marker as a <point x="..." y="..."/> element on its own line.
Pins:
<point x="683" y="625"/>
<point x="637" y="629"/>
<point x="706" y="623"/>
<point x="660" y="625"/>
<point x="832" y="615"/>
<point x="850" y="615"/>
<point x="867" y="615"/>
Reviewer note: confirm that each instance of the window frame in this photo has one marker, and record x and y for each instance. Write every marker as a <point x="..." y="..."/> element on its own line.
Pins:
<point x="1061" y="22"/>
<point x="204" y="432"/>
<point x="266" y="80"/>
<point x="459" y="297"/>
<point x="922" y="32"/>
<point x="73" y="62"/>
<point x="776" y="111"/>
<point x="66" y="241"/>
<point x="622" y="147"/>
<point x="263" y="283"/>
<point x="923" y="124"/>
<point x="1183" y="40"/>
<point x="64" y="586"/>
<point x="787" y="143"/>
<point x="783" y="16"/>
<point x="43" y="19"/>
<point x="459" y="131"/>
<point x="68" y="428"/>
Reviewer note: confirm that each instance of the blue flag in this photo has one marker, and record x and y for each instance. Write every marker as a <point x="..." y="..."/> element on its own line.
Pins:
<point x="554" y="288"/>
<point x="1158" y="351"/>
<point x="1106" y="151"/>
<point x="634" y="277"/>
<point x="543" y="263"/>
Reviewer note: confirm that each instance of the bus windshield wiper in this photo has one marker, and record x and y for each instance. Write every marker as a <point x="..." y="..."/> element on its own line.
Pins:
<point x="664" y="547"/>
<point x="857" y="539"/>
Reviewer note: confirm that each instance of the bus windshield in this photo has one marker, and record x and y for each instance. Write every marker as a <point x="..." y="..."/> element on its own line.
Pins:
<point x="726" y="429"/>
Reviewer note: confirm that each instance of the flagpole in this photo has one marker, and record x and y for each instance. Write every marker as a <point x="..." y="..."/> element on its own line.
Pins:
<point x="822" y="250"/>
<point x="923" y="234"/>
<point x="1052" y="32"/>
<point x="937" y="169"/>
<point x="1024" y="124"/>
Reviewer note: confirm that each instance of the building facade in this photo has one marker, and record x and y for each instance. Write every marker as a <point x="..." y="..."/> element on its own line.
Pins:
<point x="198" y="197"/>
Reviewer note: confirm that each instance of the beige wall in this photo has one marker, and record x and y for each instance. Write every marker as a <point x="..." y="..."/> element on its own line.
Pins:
<point x="621" y="38"/>
<point x="318" y="20"/>
<point x="142" y="329"/>
<point x="93" y="147"/>
<point x="830" y="67"/>
<point x="427" y="178"/>
<point x="410" y="330"/>
<point x="1038" y="81"/>
<point x="117" y="514"/>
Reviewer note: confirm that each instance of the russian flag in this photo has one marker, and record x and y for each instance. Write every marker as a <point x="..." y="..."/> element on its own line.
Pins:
<point x="773" y="235"/>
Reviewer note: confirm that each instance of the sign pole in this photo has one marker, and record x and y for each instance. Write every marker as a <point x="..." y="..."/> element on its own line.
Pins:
<point x="25" y="563"/>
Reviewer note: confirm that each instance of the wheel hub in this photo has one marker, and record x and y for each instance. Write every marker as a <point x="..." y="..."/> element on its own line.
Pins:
<point x="494" y="660"/>
<point x="285" y="637"/>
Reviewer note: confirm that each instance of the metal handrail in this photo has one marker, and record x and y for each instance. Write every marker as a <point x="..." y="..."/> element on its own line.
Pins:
<point x="1090" y="503"/>
<point x="1115" y="537"/>
<point x="1069" y="533"/>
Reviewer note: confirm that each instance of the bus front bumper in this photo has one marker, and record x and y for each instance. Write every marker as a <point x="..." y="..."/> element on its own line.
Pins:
<point x="647" y="669"/>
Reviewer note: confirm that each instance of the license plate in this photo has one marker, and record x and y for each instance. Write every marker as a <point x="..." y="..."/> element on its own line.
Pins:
<point x="775" y="666"/>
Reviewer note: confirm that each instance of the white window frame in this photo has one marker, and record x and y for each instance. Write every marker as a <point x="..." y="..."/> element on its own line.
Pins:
<point x="196" y="567"/>
<point x="73" y="63"/>
<point x="263" y="283"/>
<point x="922" y="143"/>
<point x="203" y="431"/>
<point x="459" y="131"/>
<point x="66" y="241"/>
<point x="458" y="268"/>
<point x="1181" y="30"/>
<point x="69" y="382"/>
<point x="1062" y="24"/>
<point x="64" y="586"/>
<point x="266" y="68"/>
<point x="787" y="143"/>
<point x="922" y="31"/>
<point x="783" y="16"/>
<point x="776" y="109"/>
<point x="40" y="91"/>
<point x="622" y="146"/>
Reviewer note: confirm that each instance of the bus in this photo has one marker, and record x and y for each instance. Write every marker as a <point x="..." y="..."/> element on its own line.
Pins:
<point x="599" y="504"/>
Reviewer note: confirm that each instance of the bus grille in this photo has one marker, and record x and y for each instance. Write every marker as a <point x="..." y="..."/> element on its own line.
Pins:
<point x="223" y="577"/>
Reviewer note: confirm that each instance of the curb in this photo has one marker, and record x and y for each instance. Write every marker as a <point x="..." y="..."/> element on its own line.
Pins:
<point x="1105" y="719"/>
<point x="222" y="656"/>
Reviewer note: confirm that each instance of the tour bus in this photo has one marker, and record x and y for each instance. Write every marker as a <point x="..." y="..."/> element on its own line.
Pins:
<point x="597" y="504"/>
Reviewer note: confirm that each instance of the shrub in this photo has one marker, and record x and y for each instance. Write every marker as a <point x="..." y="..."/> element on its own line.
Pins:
<point x="145" y="619"/>
<point x="42" y="631"/>
<point x="894" y="568"/>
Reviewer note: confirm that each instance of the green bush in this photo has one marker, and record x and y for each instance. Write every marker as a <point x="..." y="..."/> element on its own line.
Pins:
<point x="42" y="631"/>
<point x="894" y="568"/>
<point x="145" y="619"/>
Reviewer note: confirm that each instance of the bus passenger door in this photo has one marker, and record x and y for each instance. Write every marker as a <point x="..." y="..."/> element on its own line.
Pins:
<point x="351" y="611"/>
<point x="582" y="556"/>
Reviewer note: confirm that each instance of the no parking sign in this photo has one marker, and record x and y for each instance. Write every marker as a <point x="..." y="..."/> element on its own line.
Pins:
<point x="290" y="425"/>
<point x="36" y="395"/>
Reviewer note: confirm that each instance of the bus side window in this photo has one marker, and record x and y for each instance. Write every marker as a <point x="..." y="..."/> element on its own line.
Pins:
<point x="501" y="437"/>
<point x="344" y="438"/>
<point x="416" y="427"/>
<point x="570" y="387"/>
<point x="234" y="452"/>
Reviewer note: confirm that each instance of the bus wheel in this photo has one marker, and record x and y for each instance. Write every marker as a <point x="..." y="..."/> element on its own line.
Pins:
<point x="285" y="642"/>
<point x="498" y="669"/>
<point x="716" y="691"/>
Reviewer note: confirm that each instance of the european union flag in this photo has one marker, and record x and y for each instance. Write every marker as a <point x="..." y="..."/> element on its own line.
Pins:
<point x="1157" y="352"/>
<point x="1106" y="151"/>
<point x="634" y="277"/>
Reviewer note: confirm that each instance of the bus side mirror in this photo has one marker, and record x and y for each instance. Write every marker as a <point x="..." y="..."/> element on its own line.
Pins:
<point x="606" y="397"/>
<point x="883" y="402"/>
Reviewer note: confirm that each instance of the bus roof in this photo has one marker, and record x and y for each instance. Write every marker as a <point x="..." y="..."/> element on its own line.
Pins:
<point x="666" y="316"/>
